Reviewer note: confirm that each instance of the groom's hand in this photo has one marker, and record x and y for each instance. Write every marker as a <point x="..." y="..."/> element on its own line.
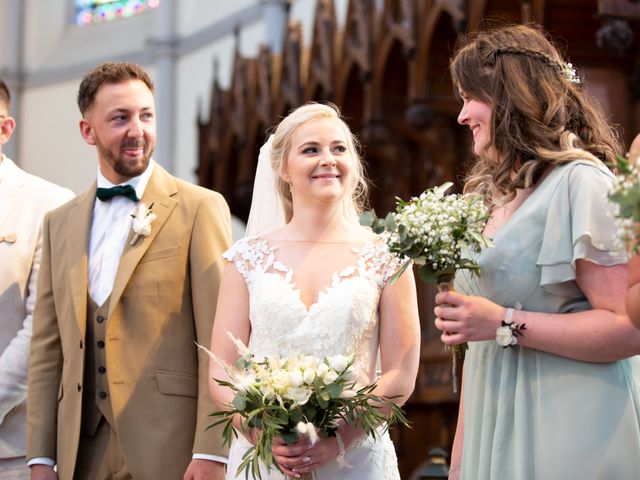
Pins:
<point x="200" y="469"/>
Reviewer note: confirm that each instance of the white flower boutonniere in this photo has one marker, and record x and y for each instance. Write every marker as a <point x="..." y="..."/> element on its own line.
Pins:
<point x="142" y="218"/>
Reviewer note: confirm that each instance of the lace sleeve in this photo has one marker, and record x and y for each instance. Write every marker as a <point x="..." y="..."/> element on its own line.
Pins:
<point x="376" y="258"/>
<point x="249" y="255"/>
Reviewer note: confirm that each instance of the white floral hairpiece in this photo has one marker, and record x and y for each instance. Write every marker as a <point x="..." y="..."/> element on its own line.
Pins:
<point x="570" y="72"/>
<point x="142" y="218"/>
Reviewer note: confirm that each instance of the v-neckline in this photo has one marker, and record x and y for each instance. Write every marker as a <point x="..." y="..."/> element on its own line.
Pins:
<point x="525" y="202"/>
<point x="337" y="277"/>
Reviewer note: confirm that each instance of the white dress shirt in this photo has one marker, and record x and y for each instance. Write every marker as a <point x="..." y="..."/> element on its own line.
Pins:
<point x="109" y="231"/>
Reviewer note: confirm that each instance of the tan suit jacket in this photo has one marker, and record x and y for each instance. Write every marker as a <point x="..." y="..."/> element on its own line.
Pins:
<point x="163" y="301"/>
<point x="24" y="201"/>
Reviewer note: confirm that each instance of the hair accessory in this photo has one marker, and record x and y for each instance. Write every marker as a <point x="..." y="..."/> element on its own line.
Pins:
<point x="571" y="74"/>
<point x="507" y="333"/>
<point x="566" y="69"/>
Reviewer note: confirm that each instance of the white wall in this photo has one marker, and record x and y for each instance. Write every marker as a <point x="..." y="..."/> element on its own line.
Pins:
<point x="3" y="35"/>
<point x="51" y="145"/>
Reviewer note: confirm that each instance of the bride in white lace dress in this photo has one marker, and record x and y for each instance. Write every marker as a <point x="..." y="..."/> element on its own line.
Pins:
<point x="319" y="285"/>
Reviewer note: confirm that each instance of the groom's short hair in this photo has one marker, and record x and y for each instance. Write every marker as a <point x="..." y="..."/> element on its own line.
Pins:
<point x="110" y="73"/>
<point x="5" y="96"/>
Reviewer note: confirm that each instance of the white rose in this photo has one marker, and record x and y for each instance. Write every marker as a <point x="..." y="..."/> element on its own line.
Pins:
<point x="504" y="336"/>
<point x="309" y="376"/>
<point x="329" y="377"/>
<point x="348" y="393"/>
<point x="322" y="369"/>
<point x="338" y="362"/>
<point x="280" y="380"/>
<point x="295" y="378"/>
<point x="300" y="395"/>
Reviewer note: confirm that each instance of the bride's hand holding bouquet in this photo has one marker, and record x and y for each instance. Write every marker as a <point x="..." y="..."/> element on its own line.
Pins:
<point x="290" y="409"/>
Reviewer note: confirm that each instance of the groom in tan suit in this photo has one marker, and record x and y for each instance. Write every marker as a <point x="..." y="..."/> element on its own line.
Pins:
<point x="116" y="387"/>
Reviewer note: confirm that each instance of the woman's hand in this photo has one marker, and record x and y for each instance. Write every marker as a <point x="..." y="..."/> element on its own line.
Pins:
<point x="466" y="318"/>
<point x="302" y="457"/>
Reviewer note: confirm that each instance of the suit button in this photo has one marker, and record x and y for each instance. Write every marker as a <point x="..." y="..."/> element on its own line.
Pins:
<point x="79" y="387"/>
<point x="100" y="319"/>
<point x="80" y="344"/>
<point x="102" y="369"/>
<point x="102" y="395"/>
<point x="100" y="344"/>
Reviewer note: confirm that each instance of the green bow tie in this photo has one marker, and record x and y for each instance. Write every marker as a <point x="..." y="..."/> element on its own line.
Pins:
<point x="128" y="191"/>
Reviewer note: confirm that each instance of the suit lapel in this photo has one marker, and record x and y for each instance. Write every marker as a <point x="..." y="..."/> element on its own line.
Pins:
<point x="159" y="192"/>
<point x="12" y="187"/>
<point x="78" y="231"/>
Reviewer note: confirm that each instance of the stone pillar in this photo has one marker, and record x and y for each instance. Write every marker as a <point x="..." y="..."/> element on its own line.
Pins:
<point x="164" y="52"/>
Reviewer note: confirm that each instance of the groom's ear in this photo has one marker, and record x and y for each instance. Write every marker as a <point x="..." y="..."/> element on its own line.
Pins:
<point x="86" y="130"/>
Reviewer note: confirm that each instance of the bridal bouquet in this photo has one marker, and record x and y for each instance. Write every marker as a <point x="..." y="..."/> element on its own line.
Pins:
<point x="294" y="396"/>
<point x="626" y="195"/>
<point x="434" y="231"/>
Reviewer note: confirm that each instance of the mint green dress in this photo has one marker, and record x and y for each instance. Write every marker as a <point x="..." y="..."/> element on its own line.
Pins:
<point x="531" y="415"/>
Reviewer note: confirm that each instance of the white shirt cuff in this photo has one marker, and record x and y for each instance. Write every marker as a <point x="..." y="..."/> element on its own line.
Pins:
<point x="213" y="458"/>
<point x="41" y="461"/>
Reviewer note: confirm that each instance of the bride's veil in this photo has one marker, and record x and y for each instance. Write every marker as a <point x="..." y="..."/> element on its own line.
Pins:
<point x="267" y="212"/>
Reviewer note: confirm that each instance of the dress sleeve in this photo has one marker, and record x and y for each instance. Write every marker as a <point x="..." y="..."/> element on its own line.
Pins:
<point x="377" y="258"/>
<point x="249" y="254"/>
<point x="580" y="224"/>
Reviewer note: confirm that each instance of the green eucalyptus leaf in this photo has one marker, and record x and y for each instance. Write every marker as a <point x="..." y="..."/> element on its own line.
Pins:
<point x="240" y="402"/>
<point x="427" y="275"/>
<point x="368" y="218"/>
<point x="390" y="222"/>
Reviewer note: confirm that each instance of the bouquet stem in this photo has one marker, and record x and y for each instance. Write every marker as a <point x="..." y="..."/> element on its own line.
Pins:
<point x="456" y="350"/>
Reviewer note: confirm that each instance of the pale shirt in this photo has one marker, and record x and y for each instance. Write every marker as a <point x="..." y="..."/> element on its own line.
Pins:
<point x="110" y="228"/>
<point x="3" y="167"/>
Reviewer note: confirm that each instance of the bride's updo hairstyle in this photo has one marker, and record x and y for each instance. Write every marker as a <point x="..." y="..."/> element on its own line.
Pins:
<point x="541" y="117"/>
<point x="355" y="202"/>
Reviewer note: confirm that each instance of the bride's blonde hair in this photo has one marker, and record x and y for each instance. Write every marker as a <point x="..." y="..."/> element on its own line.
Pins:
<point x="541" y="117"/>
<point x="353" y="203"/>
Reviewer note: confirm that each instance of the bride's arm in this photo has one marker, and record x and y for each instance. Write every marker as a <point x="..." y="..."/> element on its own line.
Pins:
<point x="232" y="316"/>
<point x="399" y="346"/>
<point x="399" y="339"/>
<point x="603" y="334"/>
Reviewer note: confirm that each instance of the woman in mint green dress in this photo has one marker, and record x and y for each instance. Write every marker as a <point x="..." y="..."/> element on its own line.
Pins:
<point x="548" y="385"/>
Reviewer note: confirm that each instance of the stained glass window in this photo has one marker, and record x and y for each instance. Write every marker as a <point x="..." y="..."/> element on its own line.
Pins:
<point x="98" y="11"/>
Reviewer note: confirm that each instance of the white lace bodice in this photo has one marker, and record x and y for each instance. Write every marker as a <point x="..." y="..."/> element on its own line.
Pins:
<point x="343" y="319"/>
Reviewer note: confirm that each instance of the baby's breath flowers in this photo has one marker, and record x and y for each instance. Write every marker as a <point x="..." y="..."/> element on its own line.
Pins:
<point x="435" y="231"/>
<point x="626" y="195"/>
<point x="294" y="396"/>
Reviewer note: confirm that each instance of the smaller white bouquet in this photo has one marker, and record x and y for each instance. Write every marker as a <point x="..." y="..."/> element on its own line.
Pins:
<point x="626" y="194"/>
<point x="435" y="231"/>
<point x="294" y="396"/>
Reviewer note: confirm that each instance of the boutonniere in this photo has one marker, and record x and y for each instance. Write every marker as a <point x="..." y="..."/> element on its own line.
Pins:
<point x="142" y="218"/>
